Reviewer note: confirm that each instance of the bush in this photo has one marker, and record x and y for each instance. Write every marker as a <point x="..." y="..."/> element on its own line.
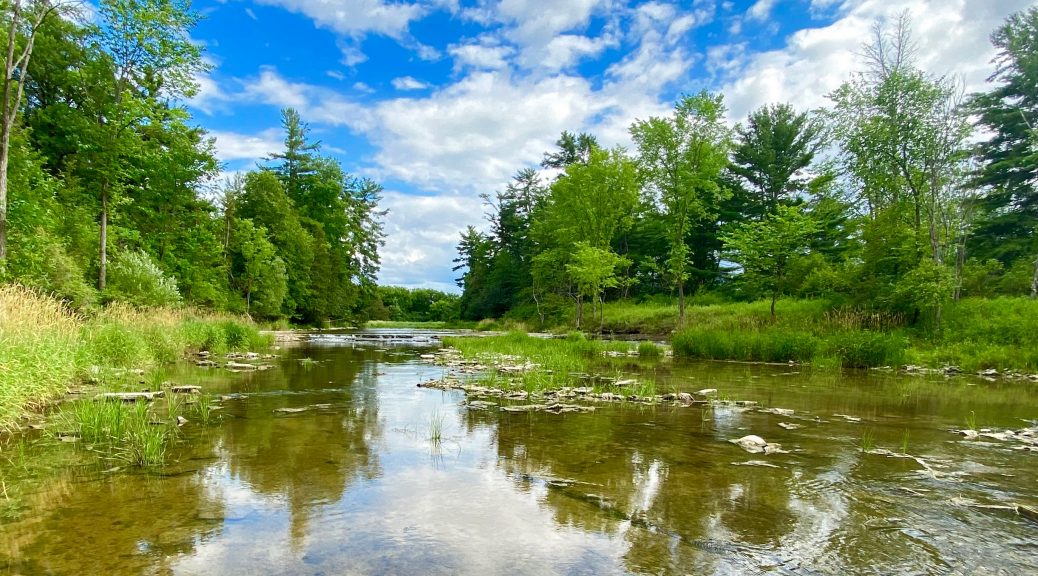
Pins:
<point x="866" y="349"/>
<point x="771" y="345"/>
<point x="135" y="278"/>
<point x="649" y="350"/>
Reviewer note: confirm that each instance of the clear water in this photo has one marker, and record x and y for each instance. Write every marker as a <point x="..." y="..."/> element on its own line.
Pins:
<point x="362" y="487"/>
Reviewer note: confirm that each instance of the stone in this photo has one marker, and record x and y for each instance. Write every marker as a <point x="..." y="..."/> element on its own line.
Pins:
<point x="751" y="443"/>
<point x="707" y="391"/>
<point x="129" y="396"/>
<point x="789" y="425"/>
<point x="759" y="463"/>
<point x="685" y="397"/>
<point x="778" y="411"/>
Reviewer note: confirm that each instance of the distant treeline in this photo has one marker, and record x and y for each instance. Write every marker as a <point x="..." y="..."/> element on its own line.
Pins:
<point x="900" y="196"/>
<point x="415" y="305"/>
<point x="107" y="188"/>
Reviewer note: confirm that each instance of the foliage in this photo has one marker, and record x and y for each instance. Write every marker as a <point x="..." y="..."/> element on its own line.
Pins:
<point x="136" y="279"/>
<point x="45" y="347"/>
<point x="766" y="248"/>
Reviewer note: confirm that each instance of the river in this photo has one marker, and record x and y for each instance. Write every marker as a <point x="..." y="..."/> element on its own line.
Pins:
<point x="390" y="478"/>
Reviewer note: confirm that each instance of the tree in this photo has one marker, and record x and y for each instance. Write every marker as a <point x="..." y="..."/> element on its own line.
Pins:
<point x="260" y="272"/>
<point x="682" y="157"/>
<point x="588" y="204"/>
<point x="145" y="57"/>
<point x="773" y="151"/>
<point x="766" y="248"/>
<point x="593" y="270"/>
<point x="903" y="149"/>
<point x="572" y="148"/>
<point x="22" y="25"/>
<point x="1009" y="158"/>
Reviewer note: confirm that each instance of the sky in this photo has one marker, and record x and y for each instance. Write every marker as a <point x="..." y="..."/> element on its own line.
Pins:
<point x="442" y="100"/>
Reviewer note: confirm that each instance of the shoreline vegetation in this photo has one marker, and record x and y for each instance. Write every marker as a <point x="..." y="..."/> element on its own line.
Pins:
<point x="47" y="349"/>
<point x="976" y="334"/>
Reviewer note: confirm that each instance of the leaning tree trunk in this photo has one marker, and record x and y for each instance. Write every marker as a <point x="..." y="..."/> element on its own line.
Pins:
<point x="9" y="107"/>
<point x="103" y="266"/>
<point x="1034" y="280"/>
<point x="681" y="301"/>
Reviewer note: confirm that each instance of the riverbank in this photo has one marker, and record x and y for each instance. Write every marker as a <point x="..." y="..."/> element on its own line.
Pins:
<point x="45" y="348"/>
<point x="974" y="335"/>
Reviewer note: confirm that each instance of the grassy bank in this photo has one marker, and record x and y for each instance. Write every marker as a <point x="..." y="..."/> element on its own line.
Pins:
<point x="974" y="333"/>
<point x="539" y="363"/>
<point x="45" y="347"/>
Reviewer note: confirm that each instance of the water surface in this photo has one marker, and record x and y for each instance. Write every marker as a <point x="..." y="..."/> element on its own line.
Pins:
<point x="361" y="486"/>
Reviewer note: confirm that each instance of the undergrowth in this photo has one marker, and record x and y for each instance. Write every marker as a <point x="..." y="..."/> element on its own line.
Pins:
<point x="46" y="347"/>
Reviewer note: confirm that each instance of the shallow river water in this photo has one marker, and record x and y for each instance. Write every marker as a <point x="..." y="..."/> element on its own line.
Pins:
<point x="362" y="487"/>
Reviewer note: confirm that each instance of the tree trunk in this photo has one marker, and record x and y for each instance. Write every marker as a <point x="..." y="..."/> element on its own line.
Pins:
<point x="6" y="122"/>
<point x="103" y="267"/>
<point x="681" y="301"/>
<point x="9" y="109"/>
<point x="1034" y="281"/>
<point x="774" y="297"/>
<point x="580" y="310"/>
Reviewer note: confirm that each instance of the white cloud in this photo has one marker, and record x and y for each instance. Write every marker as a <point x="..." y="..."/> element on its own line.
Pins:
<point x="485" y="54"/>
<point x="231" y="146"/>
<point x="251" y="14"/>
<point x="314" y="103"/>
<point x="356" y="18"/>
<point x="210" y="96"/>
<point x="761" y="10"/>
<point x="952" y="36"/>
<point x="422" y="235"/>
<point x="408" y="83"/>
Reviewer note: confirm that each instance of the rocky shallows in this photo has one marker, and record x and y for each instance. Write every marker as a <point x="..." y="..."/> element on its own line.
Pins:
<point x="515" y="379"/>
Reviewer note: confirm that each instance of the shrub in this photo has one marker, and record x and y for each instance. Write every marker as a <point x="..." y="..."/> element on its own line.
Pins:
<point x="135" y="278"/>
<point x="649" y="350"/>
<point x="865" y="349"/>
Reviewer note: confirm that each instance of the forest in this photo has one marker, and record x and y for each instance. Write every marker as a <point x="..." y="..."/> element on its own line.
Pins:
<point x="109" y="192"/>
<point x="902" y="196"/>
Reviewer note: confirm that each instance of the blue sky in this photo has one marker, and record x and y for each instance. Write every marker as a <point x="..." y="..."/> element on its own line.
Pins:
<point x="443" y="100"/>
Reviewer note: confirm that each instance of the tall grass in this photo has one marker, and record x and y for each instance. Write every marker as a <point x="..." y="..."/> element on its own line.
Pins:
<point x="45" y="347"/>
<point x="119" y="431"/>
<point x="556" y="359"/>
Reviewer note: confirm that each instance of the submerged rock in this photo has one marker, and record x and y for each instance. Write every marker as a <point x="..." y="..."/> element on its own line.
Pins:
<point x="759" y="463"/>
<point x="790" y="425"/>
<point x="778" y="411"/>
<point x="755" y="445"/>
<point x="752" y="443"/>
<point x="130" y="396"/>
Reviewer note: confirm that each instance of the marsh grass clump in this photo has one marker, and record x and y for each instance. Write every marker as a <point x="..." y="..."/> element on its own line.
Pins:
<point x="203" y="409"/>
<point x="548" y="362"/>
<point x="436" y="427"/>
<point x="868" y="437"/>
<point x="119" y="431"/>
<point x="971" y="420"/>
<point x="649" y="350"/>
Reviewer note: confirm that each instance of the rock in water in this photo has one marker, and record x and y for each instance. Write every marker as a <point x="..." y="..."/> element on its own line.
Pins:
<point x="752" y="444"/>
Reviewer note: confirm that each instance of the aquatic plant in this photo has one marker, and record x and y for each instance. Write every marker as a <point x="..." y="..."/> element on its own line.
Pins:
<point x="436" y="426"/>
<point x="867" y="440"/>
<point x="971" y="420"/>
<point x="649" y="350"/>
<point x="203" y="409"/>
<point x="904" y="441"/>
